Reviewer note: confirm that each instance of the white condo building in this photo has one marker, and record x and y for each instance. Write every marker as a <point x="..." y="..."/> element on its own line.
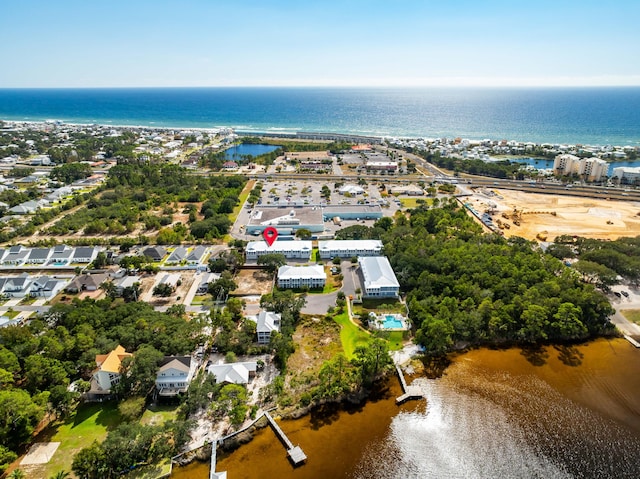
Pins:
<point x="299" y="276"/>
<point x="627" y="174"/>
<point x="592" y="169"/>
<point x="290" y="249"/>
<point x="349" y="248"/>
<point x="378" y="278"/>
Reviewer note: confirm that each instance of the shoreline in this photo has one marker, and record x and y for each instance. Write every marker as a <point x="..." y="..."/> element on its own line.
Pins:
<point x="274" y="132"/>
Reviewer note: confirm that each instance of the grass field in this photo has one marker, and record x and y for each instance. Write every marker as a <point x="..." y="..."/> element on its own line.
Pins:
<point x="351" y="336"/>
<point x="156" y="415"/>
<point x="632" y="315"/>
<point x="90" y="423"/>
<point x="414" y="202"/>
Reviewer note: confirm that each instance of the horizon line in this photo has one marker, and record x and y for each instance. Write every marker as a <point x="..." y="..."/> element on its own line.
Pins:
<point x="346" y="86"/>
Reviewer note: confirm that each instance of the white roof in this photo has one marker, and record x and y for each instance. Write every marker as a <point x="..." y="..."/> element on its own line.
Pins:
<point x="315" y="271"/>
<point x="279" y="246"/>
<point x="267" y="321"/>
<point x="350" y="245"/>
<point x="377" y="272"/>
<point x="352" y="189"/>
<point x="236" y="373"/>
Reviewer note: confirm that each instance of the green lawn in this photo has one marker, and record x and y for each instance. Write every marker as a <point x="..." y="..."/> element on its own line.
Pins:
<point x="632" y="315"/>
<point x="351" y="336"/>
<point x="90" y="423"/>
<point x="414" y="202"/>
<point x="156" y="415"/>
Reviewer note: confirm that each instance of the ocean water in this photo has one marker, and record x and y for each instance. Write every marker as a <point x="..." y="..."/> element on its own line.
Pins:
<point x="604" y="116"/>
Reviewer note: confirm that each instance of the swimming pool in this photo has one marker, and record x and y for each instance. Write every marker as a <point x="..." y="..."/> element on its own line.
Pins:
<point x="391" y="322"/>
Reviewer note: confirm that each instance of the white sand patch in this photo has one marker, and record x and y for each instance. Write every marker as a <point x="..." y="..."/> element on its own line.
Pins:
<point x="605" y="213"/>
<point x="40" y="453"/>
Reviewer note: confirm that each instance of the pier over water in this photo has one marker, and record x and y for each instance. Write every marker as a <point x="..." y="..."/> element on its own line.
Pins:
<point x="410" y="392"/>
<point x="296" y="454"/>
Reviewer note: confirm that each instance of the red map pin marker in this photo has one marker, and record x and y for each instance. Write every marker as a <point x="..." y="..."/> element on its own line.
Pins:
<point x="270" y="234"/>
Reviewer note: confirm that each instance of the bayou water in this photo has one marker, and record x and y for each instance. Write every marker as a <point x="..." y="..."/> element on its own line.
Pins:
<point x="553" y="412"/>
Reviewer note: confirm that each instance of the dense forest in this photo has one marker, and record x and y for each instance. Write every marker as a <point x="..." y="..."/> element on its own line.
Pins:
<point x="467" y="287"/>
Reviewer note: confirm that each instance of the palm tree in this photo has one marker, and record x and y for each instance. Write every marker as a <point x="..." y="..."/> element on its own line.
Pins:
<point x="61" y="475"/>
<point x="16" y="474"/>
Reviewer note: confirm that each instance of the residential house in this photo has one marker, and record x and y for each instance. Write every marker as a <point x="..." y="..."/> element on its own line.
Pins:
<point x="46" y="286"/>
<point x="84" y="254"/>
<point x="301" y="276"/>
<point x="107" y="373"/>
<point x="171" y="279"/>
<point x="349" y="248"/>
<point x="206" y="279"/>
<point x="175" y="375"/>
<point x="234" y="373"/>
<point x="61" y="255"/>
<point x="125" y="282"/>
<point x="38" y="256"/>
<point x="290" y="249"/>
<point x="266" y="323"/>
<point x="196" y="255"/>
<point x="86" y="282"/>
<point x="155" y="253"/>
<point x="377" y="277"/>
<point x="178" y="255"/>
<point x="15" y="256"/>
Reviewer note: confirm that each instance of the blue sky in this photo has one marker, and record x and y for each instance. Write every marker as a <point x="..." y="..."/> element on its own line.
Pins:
<point x="85" y="43"/>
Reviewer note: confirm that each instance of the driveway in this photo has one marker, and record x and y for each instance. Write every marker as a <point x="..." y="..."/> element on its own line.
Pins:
<point x="319" y="303"/>
<point x="350" y="274"/>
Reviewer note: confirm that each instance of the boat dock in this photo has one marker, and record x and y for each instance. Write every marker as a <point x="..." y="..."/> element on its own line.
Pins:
<point x="296" y="454"/>
<point x="212" y="470"/>
<point x="410" y="392"/>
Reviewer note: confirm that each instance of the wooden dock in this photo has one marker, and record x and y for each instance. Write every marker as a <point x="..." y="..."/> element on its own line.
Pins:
<point x="212" y="470"/>
<point x="632" y="341"/>
<point x="296" y="454"/>
<point x="410" y="392"/>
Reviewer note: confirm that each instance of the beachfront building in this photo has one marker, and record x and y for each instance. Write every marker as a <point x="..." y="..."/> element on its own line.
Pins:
<point x="174" y="375"/>
<point x="566" y="164"/>
<point x="377" y="277"/>
<point x="627" y="175"/>
<point x="593" y="169"/>
<point x="349" y="248"/>
<point x="290" y="249"/>
<point x="292" y="277"/>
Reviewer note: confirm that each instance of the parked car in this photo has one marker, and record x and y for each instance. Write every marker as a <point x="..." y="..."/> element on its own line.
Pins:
<point x="617" y="294"/>
<point x="625" y="294"/>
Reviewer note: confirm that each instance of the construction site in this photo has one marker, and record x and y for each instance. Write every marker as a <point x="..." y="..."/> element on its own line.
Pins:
<point x="543" y="217"/>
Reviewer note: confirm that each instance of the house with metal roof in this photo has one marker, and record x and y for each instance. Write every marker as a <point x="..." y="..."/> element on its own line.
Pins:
<point x="46" y="286"/>
<point x="234" y="373"/>
<point x="267" y="322"/>
<point x="291" y="277"/>
<point x="155" y="253"/>
<point x="377" y="277"/>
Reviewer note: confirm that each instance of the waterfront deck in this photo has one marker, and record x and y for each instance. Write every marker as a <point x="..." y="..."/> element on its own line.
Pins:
<point x="212" y="470"/>
<point x="410" y="392"/>
<point x="296" y="454"/>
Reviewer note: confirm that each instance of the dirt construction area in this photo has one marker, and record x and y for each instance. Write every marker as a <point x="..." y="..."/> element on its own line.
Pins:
<point x="547" y="216"/>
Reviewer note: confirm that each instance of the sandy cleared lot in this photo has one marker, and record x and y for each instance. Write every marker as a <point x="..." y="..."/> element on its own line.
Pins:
<point x="555" y="215"/>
